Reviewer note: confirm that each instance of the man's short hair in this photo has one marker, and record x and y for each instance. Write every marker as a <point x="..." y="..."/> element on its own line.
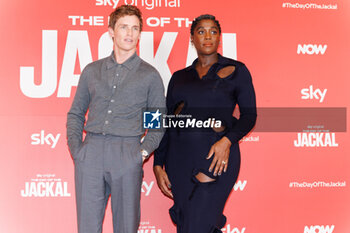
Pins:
<point x="122" y="11"/>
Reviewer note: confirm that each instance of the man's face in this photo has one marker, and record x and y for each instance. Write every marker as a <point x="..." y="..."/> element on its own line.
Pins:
<point x="126" y="33"/>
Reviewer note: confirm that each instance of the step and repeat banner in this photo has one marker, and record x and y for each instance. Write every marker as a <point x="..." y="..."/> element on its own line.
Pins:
<point x="295" y="173"/>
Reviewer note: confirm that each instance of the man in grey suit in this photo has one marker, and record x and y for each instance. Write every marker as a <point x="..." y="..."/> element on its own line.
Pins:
<point x="109" y="161"/>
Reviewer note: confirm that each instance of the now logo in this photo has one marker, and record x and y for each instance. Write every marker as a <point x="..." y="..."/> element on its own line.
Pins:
<point x="240" y="185"/>
<point x="311" y="49"/>
<point x="319" y="229"/>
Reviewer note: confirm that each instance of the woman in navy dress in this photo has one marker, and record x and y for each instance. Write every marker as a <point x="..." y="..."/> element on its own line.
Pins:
<point x="202" y="165"/>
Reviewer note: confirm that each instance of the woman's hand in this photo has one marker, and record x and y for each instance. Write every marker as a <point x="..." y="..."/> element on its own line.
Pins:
<point x="221" y="152"/>
<point x="162" y="180"/>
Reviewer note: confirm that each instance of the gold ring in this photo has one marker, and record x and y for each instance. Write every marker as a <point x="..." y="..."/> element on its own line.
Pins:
<point x="223" y="162"/>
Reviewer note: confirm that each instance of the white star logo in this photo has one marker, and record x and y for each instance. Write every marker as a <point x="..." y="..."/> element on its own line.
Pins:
<point x="156" y="115"/>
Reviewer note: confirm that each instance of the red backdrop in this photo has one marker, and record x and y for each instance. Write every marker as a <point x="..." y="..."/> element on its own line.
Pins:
<point x="297" y="51"/>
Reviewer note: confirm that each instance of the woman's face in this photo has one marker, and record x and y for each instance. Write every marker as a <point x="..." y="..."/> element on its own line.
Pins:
<point x="206" y="37"/>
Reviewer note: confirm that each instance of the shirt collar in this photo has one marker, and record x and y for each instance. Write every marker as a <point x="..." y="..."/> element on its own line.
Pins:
<point x="130" y="63"/>
<point x="222" y="61"/>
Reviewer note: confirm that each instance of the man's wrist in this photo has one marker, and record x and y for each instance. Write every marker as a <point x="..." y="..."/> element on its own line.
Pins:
<point x="145" y="154"/>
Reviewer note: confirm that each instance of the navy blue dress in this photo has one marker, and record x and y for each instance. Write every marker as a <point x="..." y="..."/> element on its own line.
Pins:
<point x="198" y="207"/>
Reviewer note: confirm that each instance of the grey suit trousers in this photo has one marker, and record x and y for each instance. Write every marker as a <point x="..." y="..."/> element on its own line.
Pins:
<point x="108" y="165"/>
